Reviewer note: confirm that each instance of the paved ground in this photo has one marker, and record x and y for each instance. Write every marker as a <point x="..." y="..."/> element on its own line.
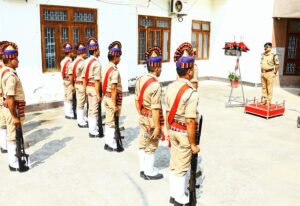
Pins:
<point x="246" y="160"/>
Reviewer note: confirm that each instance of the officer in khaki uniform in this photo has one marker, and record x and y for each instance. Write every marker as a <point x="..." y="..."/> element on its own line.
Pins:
<point x="269" y="67"/>
<point x="77" y="73"/>
<point x="194" y="80"/>
<point x="65" y="66"/>
<point x="14" y="105"/>
<point x="112" y="91"/>
<point x="148" y="104"/>
<point x="181" y="108"/>
<point x="92" y="79"/>
<point x="3" y="133"/>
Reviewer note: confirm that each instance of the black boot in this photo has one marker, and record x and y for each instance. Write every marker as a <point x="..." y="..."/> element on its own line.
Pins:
<point x="93" y="135"/>
<point x="108" y="148"/>
<point x="142" y="174"/>
<point x="179" y="204"/>
<point x="67" y="117"/>
<point x="83" y="126"/>
<point x="172" y="200"/>
<point x="155" y="177"/>
<point x="3" y="151"/>
<point x="21" y="169"/>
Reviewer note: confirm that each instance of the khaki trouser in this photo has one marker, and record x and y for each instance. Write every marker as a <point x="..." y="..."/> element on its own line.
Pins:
<point x="68" y="90"/>
<point x="267" y="86"/>
<point x="146" y="130"/>
<point x="93" y="102"/>
<point x="181" y="153"/>
<point x="11" y="128"/>
<point x="2" y="118"/>
<point x="80" y="96"/>
<point x="109" y="111"/>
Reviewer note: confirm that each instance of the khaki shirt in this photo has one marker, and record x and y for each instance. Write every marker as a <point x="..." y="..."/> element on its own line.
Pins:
<point x="62" y="64"/>
<point x="79" y="68"/>
<point x="268" y="61"/>
<point x="187" y="107"/>
<point x="95" y="69"/>
<point x="195" y="77"/>
<point x="113" y="78"/>
<point x="12" y="86"/>
<point x="152" y="94"/>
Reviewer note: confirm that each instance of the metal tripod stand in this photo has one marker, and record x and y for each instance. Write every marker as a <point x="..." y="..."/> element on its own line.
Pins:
<point x="236" y="101"/>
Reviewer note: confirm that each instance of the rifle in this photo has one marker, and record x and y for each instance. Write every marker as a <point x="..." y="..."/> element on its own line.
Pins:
<point x="118" y="136"/>
<point x="20" y="150"/>
<point x="194" y="174"/>
<point x="100" y="126"/>
<point x="74" y="104"/>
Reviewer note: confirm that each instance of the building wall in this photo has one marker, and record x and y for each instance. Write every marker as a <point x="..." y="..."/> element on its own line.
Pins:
<point x="247" y="21"/>
<point x="230" y="20"/>
<point x="115" y="22"/>
<point x="180" y="32"/>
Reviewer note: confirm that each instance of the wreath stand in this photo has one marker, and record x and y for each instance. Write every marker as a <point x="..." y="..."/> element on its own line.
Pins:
<point x="236" y="101"/>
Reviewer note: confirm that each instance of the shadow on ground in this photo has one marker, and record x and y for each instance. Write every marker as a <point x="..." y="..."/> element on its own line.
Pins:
<point x="48" y="150"/>
<point x="32" y="125"/>
<point x="30" y="116"/>
<point x="162" y="159"/>
<point x="40" y="135"/>
<point x="130" y="134"/>
<point x="295" y="92"/>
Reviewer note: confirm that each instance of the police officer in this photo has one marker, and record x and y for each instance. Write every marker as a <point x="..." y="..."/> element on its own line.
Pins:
<point x="77" y="72"/>
<point x="3" y="132"/>
<point x="65" y="66"/>
<point x="181" y="108"/>
<point x="269" y="67"/>
<point x="112" y="91"/>
<point x="14" y="110"/>
<point x="148" y="104"/>
<point x="92" y="80"/>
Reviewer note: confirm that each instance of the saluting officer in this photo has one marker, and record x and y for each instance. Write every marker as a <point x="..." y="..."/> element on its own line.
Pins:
<point x="181" y="108"/>
<point x="112" y="91"/>
<point x="92" y="80"/>
<point x="3" y="132"/>
<point x="77" y="72"/>
<point x="269" y="67"/>
<point x="65" y="66"/>
<point x="148" y="104"/>
<point x="14" y="105"/>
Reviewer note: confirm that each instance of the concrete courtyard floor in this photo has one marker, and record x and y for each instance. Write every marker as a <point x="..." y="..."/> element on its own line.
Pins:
<point x="246" y="160"/>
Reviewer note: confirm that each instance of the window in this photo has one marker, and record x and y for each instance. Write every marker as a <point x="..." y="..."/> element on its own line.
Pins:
<point x="201" y="38"/>
<point x="154" y="31"/>
<point x="292" y="56"/>
<point x="61" y="24"/>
